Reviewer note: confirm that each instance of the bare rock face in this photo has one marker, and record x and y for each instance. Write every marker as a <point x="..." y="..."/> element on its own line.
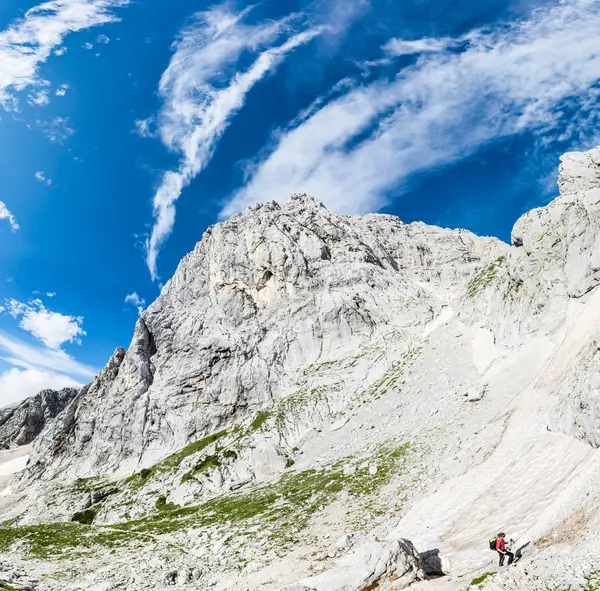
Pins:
<point x="562" y="241"/>
<point x="21" y="424"/>
<point x="262" y="297"/>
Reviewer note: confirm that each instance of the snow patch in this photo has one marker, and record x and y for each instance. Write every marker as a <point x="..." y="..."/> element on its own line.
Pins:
<point x="485" y="351"/>
<point x="13" y="466"/>
<point x="445" y="316"/>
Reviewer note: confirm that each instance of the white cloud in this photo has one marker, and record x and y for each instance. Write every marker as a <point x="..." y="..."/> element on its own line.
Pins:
<point x="135" y="300"/>
<point x="51" y="328"/>
<point x="40" y="98"/>
<point x="398" y="47"/>
<point x="29" y="41"/>
<point x="88" y="45"/>
<point x="24" y="355"/>
<point x="62" y="90"/>
<point x="102" y="39"/>
<point x="201" y="94"/>
<point x="41" y="176"/>
<point x="539" y="75"/>
<point x="337" y="16"/>
<point x="18" y="384"/>
<point x="58" y="130"/>
<point x="144" y="127"/>
<point x="5" y="214"/>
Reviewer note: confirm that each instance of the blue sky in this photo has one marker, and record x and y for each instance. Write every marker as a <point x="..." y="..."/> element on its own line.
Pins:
<point x="126" y="128"/>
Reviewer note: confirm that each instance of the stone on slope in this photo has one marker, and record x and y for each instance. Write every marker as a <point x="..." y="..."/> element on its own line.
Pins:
<point x="386" y="566"/>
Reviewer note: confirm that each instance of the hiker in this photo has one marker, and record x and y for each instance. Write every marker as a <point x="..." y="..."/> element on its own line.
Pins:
<point x="503" y="549"/>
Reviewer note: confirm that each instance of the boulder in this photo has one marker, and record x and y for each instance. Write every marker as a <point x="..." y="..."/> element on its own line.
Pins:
<point x="391" y="565"/>
<point x="434" y="563"/>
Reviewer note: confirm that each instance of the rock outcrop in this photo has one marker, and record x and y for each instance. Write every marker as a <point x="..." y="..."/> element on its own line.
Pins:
<point x="263" y="297"/>
<point x="388" y="566"/>
<point x="22" y="423"/>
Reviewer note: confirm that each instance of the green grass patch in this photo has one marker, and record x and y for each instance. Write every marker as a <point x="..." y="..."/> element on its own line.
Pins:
<point x="389" y="380"/>
<point x="592" y="583"/>
<point x="173" y="461"/>
<point x="59" y="539"/>
<point x="162" y="505"/>
<point x="89" y="485"/>
<point x="261" y="418"/>
<point x="202" y="467"/>
<point x="86" y="517"/>
<point x="283" y="508"/>
<point x="296" y="404"/>
<point x="477" y="582"/>
<point x="484" y="279"/>
<point x="291" y="501"/>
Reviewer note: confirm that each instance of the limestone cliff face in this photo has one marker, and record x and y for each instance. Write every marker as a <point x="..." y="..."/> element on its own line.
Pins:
<point x="561" y="242"/>
<point x="277" y="289"/>
<point x="261" y="298"/>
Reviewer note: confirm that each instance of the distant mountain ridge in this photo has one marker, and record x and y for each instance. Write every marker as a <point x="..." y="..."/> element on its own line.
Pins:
<point x="21" y="423"/>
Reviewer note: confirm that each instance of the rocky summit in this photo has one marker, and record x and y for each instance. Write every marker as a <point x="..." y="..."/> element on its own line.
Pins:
<point x="323" y="402"/>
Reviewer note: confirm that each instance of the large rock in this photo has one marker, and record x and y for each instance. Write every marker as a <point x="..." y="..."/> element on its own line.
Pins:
<point x="387" y="566"/>
<point x="562" y="240"/>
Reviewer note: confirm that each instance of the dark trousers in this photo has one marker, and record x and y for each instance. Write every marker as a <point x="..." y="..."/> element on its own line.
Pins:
<point x="510" y="555"/>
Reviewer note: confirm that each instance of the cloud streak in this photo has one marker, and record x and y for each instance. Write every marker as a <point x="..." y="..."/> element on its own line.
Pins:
<point x="201" y="95"/>
<point x="23" y="355"/>
<point x="29" y="41"/>
<point x="399" y="47"/>
<point x="536" y="76"/>
<point x="5" y="214"/>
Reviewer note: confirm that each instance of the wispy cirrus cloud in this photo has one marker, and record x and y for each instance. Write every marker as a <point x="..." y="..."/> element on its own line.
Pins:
<point x="202" y="89"/>
<point x="21" y="354"/>
<point x="538" y="76"/>
<point x="29" y="41"/>
<point x="399" y="47"/>
<point x="5" y="214"/>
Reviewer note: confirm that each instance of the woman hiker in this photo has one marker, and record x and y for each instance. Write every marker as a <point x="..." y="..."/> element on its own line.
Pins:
<point x="503" y="549"/>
